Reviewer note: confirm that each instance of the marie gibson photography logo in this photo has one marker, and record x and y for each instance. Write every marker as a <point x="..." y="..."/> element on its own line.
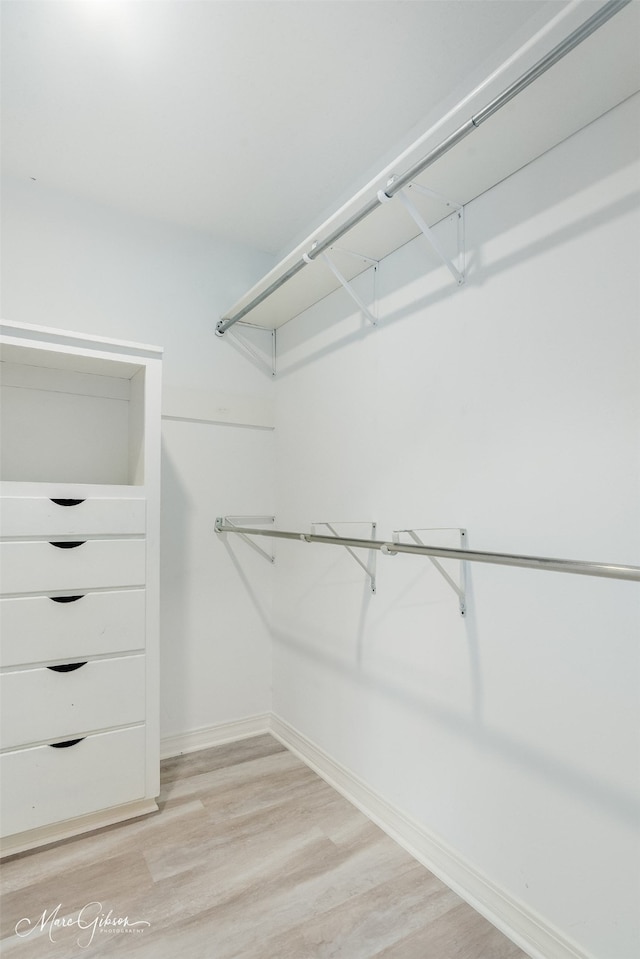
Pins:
<point x="90" y="920"/>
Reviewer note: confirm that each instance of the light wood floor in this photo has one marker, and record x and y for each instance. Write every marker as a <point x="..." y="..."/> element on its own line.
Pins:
<point x="252" y="856"/>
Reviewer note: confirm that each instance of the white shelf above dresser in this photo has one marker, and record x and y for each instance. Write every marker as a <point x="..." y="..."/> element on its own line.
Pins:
<point x="79" y="604"/>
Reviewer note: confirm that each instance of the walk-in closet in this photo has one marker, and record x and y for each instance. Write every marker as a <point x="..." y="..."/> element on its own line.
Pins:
<point x="320" y="479"/>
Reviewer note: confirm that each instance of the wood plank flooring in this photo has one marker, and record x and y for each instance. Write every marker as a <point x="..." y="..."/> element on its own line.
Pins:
<point x="251" y="856"/>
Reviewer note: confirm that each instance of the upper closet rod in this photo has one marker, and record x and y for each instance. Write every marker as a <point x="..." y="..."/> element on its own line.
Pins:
<point x="560" y="50"/>
<point x="609" y="570"/>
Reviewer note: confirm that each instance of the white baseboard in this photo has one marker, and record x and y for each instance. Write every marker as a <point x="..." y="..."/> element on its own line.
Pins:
<point x="214" y="735"/>
<point x="526" y="929"/>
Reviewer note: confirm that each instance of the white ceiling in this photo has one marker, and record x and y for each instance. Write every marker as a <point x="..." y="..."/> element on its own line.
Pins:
<point x="248" y="118"/>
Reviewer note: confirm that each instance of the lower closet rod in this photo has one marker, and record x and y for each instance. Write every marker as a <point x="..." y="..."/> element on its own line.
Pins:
<point x="609" y="570"/>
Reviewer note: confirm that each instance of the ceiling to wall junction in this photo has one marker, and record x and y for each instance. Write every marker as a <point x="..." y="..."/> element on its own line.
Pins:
<point x="251" y="119"/>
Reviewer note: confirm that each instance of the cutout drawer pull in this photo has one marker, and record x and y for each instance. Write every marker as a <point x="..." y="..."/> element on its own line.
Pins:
<point x="67" y="502"/>
<point x="67" y="667"/>
<point x="66" y="743"/>
<point x="66" y="599"/>
<point x="70" y="544"/>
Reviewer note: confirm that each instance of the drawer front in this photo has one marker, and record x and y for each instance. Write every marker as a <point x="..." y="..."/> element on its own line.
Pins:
<point x="43" y="517"/>
<point x="41" y="629"/>
<point x="43" y="785"/>
<point x="44" y="704"/>
<point x="41" y="567"/>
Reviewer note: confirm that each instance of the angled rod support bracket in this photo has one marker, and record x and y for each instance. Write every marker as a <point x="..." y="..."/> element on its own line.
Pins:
<point x="429" y="234"/>
<point x="264" y="359"/>
<point x="370" y="568"/>
<point x="459" y="588"/>
<point x="362" y="306"/>
<point x="233" y="521"/>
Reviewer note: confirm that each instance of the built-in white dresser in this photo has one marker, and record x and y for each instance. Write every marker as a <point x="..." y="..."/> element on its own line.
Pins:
<point x="79" y="583"/>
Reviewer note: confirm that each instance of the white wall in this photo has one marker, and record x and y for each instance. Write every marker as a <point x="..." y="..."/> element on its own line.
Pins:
<point x="74" y="265"/>
<point x="510" y="407"/>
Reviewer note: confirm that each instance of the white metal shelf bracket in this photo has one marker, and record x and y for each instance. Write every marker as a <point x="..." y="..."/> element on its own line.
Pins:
<point x="459" y="588"/>
<point x="344" y="282"/>
<point x="266" y="359"/>
<point x="370" y="568"/>
<point x="234" y="521"/>
<point x="434" y="242"/>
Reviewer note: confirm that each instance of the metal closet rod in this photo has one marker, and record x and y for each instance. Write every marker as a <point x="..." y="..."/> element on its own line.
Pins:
<point x="557" y="53"/>
<point x="608" y="570"/>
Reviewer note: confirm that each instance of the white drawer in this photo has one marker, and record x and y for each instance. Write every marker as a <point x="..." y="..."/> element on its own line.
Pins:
<point x="41" y="629"/>
<point x="43" y="517"/>
<point x="45" y="785"/>
<point x="44" y="704"/>
<point x="41" y="567"/>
